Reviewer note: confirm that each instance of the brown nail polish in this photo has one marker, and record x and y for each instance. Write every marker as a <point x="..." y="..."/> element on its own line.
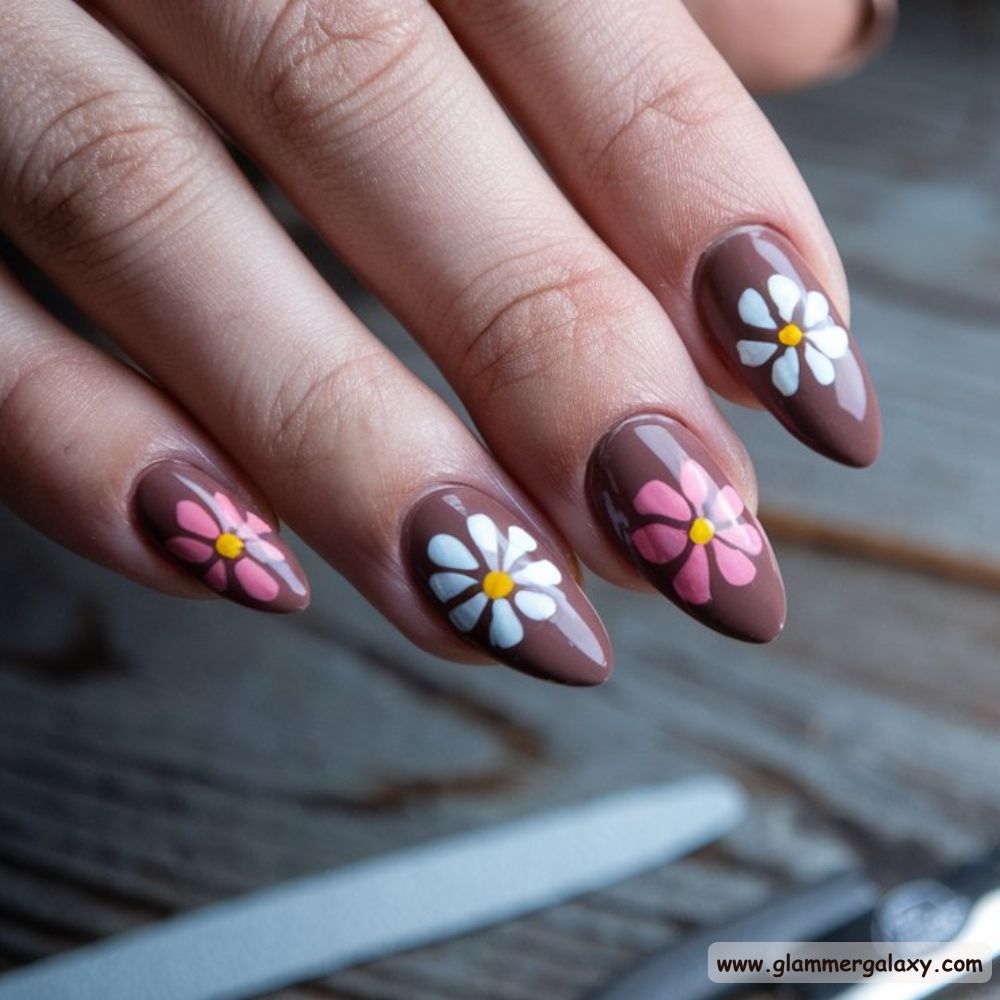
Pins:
<point x="504" y="587"/>
<point x="783" y="338"/>
<point x="212" y="534"/>
<point x="662" y="497"/>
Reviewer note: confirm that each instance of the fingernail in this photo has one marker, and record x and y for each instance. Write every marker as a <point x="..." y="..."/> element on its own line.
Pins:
<point x="783" y="338"/>
<point x="504" y="587"/>
<point x="876" y="24"/>
<point x="664" y="500"/>
<point x="214" y="536"/>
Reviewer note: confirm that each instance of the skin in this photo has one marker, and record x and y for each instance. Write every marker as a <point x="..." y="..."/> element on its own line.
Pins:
<point x="556" y="303"/>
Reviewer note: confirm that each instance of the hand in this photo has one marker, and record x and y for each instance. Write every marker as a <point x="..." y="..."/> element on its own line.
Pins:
<point x="582" y="315"/>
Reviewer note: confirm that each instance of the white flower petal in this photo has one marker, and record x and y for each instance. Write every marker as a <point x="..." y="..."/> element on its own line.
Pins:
<point x="505" y="628"/>
<point x="445" y="586"/>
<point x="820" y="364"/>
<point x="465" y="616"/>
<point x="785" y="372"/>
<point x="485" y="534"/>
<point x="831" y="340"/>
<point x="754" y="312"/>
<point x="541" y="573"/>
<point x="535" y="605"/>
<point x="785" y="294"/>
<point x="263" y="551"/>
<point x="518" y="542"/>
<point x="754" y="353"/>
<point x="817" y="309"/>
<point x="449" y="552"/>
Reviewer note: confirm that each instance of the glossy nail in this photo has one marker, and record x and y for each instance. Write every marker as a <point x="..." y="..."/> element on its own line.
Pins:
<point x="782" y="337"/>
<point x="208" y="531"/>
<point x="664" y="500"/>
<point x="504" y="587"/>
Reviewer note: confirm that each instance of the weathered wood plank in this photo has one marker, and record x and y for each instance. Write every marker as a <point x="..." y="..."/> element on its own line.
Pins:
<point x="129" y="792"/>
<point x="157" y="755"/>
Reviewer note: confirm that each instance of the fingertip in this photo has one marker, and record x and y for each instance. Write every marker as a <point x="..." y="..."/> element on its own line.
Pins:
<point x="784" y="45"/>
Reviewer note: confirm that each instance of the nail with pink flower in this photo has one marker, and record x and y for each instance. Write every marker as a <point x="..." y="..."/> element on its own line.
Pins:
<point x="700" y="521"/>
<point x="668" y="505"/>
<point x="237" y="554"/>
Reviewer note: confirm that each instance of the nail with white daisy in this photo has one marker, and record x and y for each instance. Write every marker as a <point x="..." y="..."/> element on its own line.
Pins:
<point x="820" y="341"/>
<point x="502" y="586"/>
<point x="786" y="342"/>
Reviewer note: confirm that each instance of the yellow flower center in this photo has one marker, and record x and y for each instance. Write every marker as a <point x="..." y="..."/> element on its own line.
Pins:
<point x="497" y="584"/>
<point x="701" y="531"/>
<point x="228" y="545"/>
<point x="790" y="335"/>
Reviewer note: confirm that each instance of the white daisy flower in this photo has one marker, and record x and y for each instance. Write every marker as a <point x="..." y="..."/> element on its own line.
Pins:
<point x="504" y="576"/>
<point x="822" y="341"/>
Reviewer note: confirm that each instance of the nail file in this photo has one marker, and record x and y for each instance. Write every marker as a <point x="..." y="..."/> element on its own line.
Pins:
<point x="679" y="972"/>
<point x="313" y="926"/>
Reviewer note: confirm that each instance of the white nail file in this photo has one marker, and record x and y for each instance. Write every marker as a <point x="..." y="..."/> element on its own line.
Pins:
<point x="313" y="926"/>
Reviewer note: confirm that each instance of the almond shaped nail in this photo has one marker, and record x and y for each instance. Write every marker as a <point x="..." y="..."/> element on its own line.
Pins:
<point x="665" y="501"/>
<point x="504" y="587"/>
<point x="207" y="530"/>
<point x="783" y="338"/>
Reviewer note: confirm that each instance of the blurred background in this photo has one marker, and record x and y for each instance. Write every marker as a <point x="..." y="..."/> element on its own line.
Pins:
<point x="156" y="755"/>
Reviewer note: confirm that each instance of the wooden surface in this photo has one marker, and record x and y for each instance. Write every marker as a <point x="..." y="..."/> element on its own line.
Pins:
<point x="156" y="755"/>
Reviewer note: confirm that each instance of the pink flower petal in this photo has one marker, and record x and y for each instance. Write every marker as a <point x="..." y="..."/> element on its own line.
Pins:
<point x="735" y="567"/>
<point x="194" y="518"/>
<point x="257" y="525"/>
<point x="694" y="483"/>
<point x="189" y="549"/>
<point x="691" y="583"/>
<point x="659" y="543"/>
<point x="658" y="498"/>
<point x="256" y="581"/>
<point x="725" y="506"/>
<point x="216" y="576"/>
<point x="743" y="536"/>
<point x="229" y="511"/>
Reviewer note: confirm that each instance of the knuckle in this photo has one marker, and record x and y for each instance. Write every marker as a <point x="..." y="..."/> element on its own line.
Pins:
<point x="316" y="410"/>
<point x="319" y="64"/>
<point x="533" y="317"/>
<point x="45" y="405"/>
<point x="18" y="410"/>
<point x="102" y="171"/>
<point x="654" y="111"/>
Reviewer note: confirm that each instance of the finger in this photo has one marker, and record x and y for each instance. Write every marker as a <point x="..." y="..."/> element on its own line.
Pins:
<point x="674" y="164"/>
<point x="131" y="201"/>
<point x="80" y="433"/>
<point x="373" y="120"/>
<point x="776" y="45"/>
